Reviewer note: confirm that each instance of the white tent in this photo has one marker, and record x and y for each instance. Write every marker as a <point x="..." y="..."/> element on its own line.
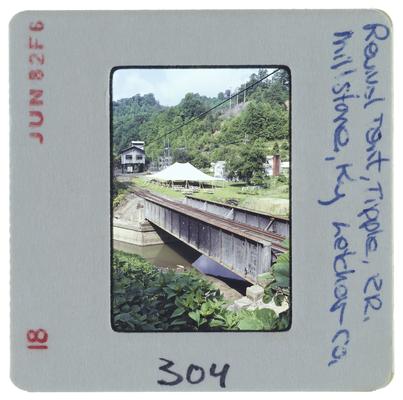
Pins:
<point x="182" y="172"/>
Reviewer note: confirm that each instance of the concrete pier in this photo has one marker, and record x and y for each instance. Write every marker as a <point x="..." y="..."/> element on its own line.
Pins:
<point x="130" y="226"/>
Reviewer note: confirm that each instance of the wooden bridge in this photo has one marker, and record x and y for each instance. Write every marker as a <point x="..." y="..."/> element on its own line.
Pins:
<point x="264" y="221"/>
<point x="245" y="249"/>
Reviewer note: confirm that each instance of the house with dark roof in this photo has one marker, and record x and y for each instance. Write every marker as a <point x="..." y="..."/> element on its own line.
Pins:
<point x="133" y="159"/>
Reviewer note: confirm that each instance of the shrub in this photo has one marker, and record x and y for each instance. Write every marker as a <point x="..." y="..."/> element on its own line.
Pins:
<point x="278" y="286"/>
<point x="146" y="299"/>
<point x="118" y="200"/>
<point x="282" y="179"/>
<point x="257" y="320"/>
<point x="119" y="192"/>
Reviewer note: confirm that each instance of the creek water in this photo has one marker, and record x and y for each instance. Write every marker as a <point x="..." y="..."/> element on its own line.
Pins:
<point x="176" y="255"/>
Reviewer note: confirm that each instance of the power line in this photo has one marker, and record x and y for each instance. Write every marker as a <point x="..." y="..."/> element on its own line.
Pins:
<point x="212" y="108"/>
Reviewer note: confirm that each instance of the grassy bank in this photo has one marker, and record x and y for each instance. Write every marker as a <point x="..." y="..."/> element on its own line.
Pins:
<point x="273" y="200"/>
<point x="159" y="189"/>
<point x="270" y="200"/>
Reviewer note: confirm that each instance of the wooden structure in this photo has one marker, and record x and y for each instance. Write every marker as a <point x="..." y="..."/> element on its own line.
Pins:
<point x="132" y="159"/>
<point x="246" y="250"/>
<point x="264" y="221"/>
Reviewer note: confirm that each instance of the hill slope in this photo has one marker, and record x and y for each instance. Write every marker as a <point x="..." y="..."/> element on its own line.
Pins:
<point x="257" y="124"/>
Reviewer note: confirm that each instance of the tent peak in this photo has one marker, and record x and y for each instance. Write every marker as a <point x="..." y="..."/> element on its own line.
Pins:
<point x="182" y="172"/>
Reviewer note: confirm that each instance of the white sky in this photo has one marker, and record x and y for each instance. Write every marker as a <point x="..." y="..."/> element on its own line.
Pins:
<point x="170" y="86"/>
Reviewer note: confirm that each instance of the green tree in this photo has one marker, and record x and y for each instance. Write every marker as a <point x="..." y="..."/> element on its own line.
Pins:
<point x="218" y="134"/>
<point x="191" y="106"/>
<point x="246" y="163"/>
<point x="220" y="96"/>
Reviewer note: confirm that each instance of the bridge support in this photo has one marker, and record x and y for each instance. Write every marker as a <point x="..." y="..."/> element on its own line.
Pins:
<point x="130" y="226"/>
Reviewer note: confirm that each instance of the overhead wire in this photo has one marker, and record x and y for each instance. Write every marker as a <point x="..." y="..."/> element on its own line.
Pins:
<point x="212" y="108"/>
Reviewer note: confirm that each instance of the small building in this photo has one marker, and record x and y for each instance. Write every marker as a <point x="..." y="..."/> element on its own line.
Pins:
<point x="218" y="169"/>
<point x="132" y="159"/>
<point x="273" y="165"/>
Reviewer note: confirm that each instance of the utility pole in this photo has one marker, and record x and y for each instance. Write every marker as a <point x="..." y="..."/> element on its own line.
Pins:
<point x="168" y="154"/>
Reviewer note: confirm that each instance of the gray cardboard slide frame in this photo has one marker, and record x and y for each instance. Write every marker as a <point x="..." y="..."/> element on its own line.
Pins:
<point x="60" y="203"/>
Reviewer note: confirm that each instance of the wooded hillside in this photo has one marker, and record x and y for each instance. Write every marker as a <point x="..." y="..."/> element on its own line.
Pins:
<point x="255" y="124"/>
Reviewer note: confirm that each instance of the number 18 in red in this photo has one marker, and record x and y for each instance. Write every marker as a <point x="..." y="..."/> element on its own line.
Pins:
<point x="38" y="339"/>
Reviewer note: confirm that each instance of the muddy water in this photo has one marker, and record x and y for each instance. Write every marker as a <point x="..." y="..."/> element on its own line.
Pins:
<point x="176" y="256"/>
<point x="162" y="255"/>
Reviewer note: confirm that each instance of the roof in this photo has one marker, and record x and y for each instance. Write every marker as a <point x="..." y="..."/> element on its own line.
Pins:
<point x="131" y="148"/>
<point x="182" y="172"/>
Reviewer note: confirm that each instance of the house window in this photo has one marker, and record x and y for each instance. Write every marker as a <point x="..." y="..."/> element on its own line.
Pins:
<point x="128" y="157"/>
<point x="139" y="158"/>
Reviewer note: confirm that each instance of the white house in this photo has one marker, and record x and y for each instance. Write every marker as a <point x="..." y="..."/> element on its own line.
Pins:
<point x="218" y="169"/>
<point x="133" y="158"/>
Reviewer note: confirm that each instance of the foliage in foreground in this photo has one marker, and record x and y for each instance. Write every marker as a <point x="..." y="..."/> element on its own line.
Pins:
<point x="278" y="285"/>
<point x="119" y="192"/>
<point x="146" y="299"/>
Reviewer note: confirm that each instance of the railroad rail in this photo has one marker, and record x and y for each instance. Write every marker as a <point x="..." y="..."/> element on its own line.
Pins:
<point x="248" y="231"/>
<point x="246" y="250"/>
<point x="265" y="221"/>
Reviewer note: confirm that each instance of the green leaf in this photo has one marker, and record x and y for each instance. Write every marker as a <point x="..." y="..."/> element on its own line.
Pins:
<point x="282" y="281"/>
<point x="151" y="291"/>
<point x="267" y="316"/>
<point x="206" y="309"/>
<point x="178" y="322"/>
<point x="173" y="286"/>
<point x="177" y="312"/>
<point x="250" y="324"/>
<point x="282" y="269"/>
<point x="124" y="317"/>
<point x="283" y="258"/>
<point x="216" y="323"/>
<point x="195" y="315"/>
<point x="284" y="321"/>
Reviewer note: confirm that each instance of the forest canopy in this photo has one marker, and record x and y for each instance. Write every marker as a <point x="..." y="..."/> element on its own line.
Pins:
<point x="258" y="119"/>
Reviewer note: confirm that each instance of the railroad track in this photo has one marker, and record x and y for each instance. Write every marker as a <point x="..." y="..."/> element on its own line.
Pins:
<point x="213" y="219"/>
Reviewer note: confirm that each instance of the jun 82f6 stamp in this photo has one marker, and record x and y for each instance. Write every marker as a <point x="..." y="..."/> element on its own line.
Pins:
<point x="192" y="210"/>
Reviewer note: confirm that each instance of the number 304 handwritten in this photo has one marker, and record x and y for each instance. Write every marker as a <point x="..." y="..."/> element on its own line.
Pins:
<point x="194" y="374"/>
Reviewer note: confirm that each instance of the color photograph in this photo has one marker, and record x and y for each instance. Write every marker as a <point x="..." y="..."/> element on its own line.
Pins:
<point x="200" y="199"/>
